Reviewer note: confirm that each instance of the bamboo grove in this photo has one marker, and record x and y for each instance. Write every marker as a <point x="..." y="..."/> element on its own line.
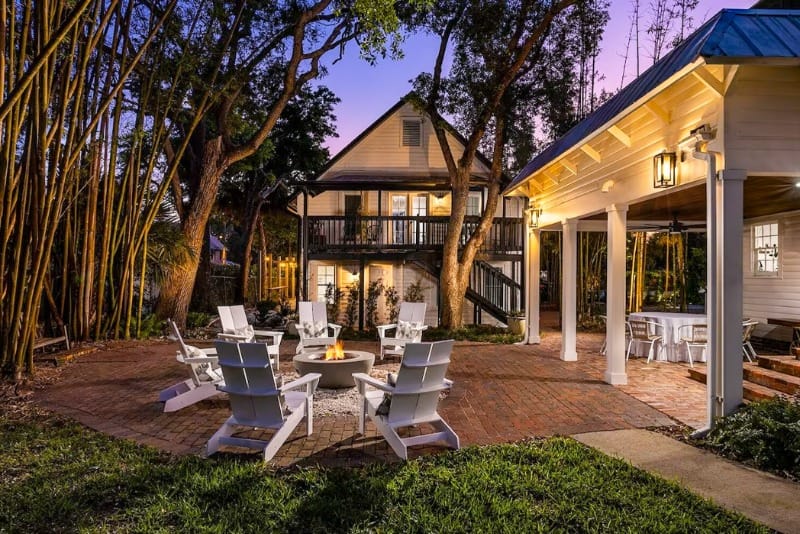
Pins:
<point x="76" y="169"/>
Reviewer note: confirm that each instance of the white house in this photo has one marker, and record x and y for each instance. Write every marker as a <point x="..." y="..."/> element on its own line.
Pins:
<point x="380" y="209"/>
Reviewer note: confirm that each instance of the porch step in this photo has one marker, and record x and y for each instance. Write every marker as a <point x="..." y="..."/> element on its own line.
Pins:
<point x="752" y="391"/>
<point x="776" y="380"/>
<point x="784" y="364"/>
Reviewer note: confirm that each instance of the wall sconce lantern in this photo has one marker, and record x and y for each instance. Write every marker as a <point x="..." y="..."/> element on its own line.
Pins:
<point x="533" y="217"/>
<point x="665" y="169"/>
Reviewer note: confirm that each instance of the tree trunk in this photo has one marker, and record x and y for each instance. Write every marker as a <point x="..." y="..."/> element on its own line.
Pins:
<point x="253" y="216"/>
<point x="176" y="290"/>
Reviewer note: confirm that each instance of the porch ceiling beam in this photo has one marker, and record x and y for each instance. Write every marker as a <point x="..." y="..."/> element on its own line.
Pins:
<point x="709" y="80"/>
<point x="658" y="111"/>
<point x="534" y="187"/>
<point x="567" y="164"/>
<point x="621" y="136"/>
<point x="730" y="74"/>
<point x="591" y="152"/>
<point x="546" y="174"/>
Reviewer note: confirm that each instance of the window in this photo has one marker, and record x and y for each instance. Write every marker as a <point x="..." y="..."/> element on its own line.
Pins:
<point x="474" y="205"/>
<point x="765" y="249"/>
<point x="326" y="275"/>
<point x="412" y="133"/>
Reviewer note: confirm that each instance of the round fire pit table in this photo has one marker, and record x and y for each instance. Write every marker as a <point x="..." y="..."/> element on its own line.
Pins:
<point x="335" y="373"/>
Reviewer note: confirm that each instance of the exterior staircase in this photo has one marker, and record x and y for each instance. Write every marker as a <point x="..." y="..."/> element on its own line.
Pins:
<point x="769" y="377"/>
<point x="490" y="290"/>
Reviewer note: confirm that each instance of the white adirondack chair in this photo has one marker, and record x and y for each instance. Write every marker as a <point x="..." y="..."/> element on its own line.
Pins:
<point x="313" y="327"/>
<point x="408" y="328"/>
<point x="236" y="328"/>
<point x="258" y="401"/>
<point x="205" y="375"/>
<point x="414" y="397"/>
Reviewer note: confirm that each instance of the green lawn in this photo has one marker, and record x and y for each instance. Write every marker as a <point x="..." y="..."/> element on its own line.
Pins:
<point x="58" y="476"/>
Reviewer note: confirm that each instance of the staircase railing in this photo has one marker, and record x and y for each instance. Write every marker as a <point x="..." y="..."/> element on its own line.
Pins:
<point x="498" y="294"/>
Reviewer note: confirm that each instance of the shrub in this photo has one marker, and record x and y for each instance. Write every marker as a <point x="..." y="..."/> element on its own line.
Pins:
<point x="197" y="319"/>
<point x="351" y="309"/>
<point x="392" y="303"/>
<point x="333" y="296"/>
<point x="374" y="291"/>
<point x="149" y="327"/>
<point x="480" y="333"/>
<point x="764" y="433"/>
<point x="415" y="292"/>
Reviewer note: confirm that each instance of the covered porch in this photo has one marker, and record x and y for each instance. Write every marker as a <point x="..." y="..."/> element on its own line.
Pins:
<point x="706" y="138"/>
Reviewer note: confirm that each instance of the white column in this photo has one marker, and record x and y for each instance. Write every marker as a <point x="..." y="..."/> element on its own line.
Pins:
<point x="569" y="279"/>
<point x="728" y="354"/>
<point x="615" y="295"/>
<point x="532" y="264"/>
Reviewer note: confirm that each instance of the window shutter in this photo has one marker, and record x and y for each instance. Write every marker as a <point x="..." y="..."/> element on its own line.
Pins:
<point x="412" y="133"/>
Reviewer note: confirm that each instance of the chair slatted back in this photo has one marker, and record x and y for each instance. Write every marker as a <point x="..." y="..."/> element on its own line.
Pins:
<point x="639" y="329"/>
<point x="226" y="319"/>
<point x="699" y="333"/>
<point x="312" y="312"/>
<point x="177" y="334"/>
<point x="419" y="381"/>
<point x="250" y="383"/>
<point x="239" y="317"/>
<point x="412" y="312"/>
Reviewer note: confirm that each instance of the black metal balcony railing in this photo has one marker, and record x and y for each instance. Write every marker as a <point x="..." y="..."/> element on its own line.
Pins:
<point x="340" y="232"/>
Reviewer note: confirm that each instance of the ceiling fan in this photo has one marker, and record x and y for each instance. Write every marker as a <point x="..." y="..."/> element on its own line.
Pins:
<point x="673" y="227"/>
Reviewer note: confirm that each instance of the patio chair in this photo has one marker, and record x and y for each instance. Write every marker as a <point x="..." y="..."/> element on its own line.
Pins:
<point x="645" y="332"/>
<point x="747" y="333"/>
<point x="408" y="329"/>
<point x="205" y="375"/>
<point x="258" y="400"/>
<point x="236" y="328"/>
<point x="691" y="336"/>
<point x="410" y="399"/>
<point x="313" y="327"/>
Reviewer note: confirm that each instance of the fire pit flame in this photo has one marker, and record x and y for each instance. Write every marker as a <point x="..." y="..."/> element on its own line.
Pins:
<point x="335" y="352"/>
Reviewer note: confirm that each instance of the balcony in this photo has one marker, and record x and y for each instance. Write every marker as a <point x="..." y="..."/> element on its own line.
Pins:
<point x="339" y="233"/>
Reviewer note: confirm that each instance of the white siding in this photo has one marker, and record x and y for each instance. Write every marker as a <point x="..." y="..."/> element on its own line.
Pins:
<point x="762" y="116"/>
<point x="382" y="151"/>
<point x="774" y="296"/>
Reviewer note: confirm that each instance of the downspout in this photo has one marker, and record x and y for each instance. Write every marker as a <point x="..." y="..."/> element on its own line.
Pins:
<point x="526" y="252"/>
<point x="714" y="382"/>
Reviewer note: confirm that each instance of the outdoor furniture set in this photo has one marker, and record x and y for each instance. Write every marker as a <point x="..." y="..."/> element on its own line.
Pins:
<point x="245" y="370"/>
<point x="675" y="335"/>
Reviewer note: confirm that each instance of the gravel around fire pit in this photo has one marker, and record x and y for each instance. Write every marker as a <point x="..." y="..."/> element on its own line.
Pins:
<point x="341" y="401"/>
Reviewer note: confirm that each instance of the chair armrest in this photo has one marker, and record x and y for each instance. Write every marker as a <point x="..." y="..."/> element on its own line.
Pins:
<point x="201" y="359"/>
<point x="277" y="337"/>
<point x="382" y="329"/>
<point x="233" y="337"/>
<point x="362" y="379"/>
<point x="310" y="381"/>
<point x="336" y="329"/>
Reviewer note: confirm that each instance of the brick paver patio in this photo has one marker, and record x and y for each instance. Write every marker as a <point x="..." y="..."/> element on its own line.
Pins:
<point x="502" y="393"/>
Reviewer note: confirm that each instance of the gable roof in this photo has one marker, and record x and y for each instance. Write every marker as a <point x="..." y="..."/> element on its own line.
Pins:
<point x="410" y="98"/>
<point x="732" y="36"/>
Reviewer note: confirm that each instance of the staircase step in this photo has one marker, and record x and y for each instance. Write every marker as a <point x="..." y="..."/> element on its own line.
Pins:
<point x="785" y="364"/>
<point x="752" y="391"/>
<point x="776" y="380"/>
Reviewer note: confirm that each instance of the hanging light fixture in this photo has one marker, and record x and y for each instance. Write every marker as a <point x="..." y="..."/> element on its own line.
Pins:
<point x="665" y="170"/>
<point x="533" y="216"/>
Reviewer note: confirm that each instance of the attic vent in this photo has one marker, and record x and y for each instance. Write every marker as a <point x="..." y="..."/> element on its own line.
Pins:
<point x="412" y="133"/>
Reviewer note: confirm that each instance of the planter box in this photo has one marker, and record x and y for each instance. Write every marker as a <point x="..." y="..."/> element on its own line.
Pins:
<point x="516" y="325"/>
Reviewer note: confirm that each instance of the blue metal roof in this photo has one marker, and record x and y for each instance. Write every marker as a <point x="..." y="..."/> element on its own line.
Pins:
<point x="731" y="36"/>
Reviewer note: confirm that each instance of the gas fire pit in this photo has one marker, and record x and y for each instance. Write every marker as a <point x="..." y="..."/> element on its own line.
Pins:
<point x="336" y="365"/>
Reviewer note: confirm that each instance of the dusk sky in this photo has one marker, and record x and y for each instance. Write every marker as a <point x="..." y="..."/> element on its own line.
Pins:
<point x="366" y="92"/>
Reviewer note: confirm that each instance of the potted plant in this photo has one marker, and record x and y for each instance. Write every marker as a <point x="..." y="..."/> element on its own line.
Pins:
<point x="516" y="322"/>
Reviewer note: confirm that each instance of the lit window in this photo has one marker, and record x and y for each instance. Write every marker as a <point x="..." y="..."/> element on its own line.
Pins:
<point x="412" y="133"/>
<point x="326" y="275"/>
<point x="765" y="249"/>
<point x="474" y="205"/>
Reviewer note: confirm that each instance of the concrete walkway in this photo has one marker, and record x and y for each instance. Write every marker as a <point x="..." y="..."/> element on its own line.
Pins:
<point x="762" y="497"/>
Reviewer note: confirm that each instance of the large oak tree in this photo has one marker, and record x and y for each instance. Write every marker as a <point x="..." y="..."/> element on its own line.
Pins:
<point x="513" y="72"/>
